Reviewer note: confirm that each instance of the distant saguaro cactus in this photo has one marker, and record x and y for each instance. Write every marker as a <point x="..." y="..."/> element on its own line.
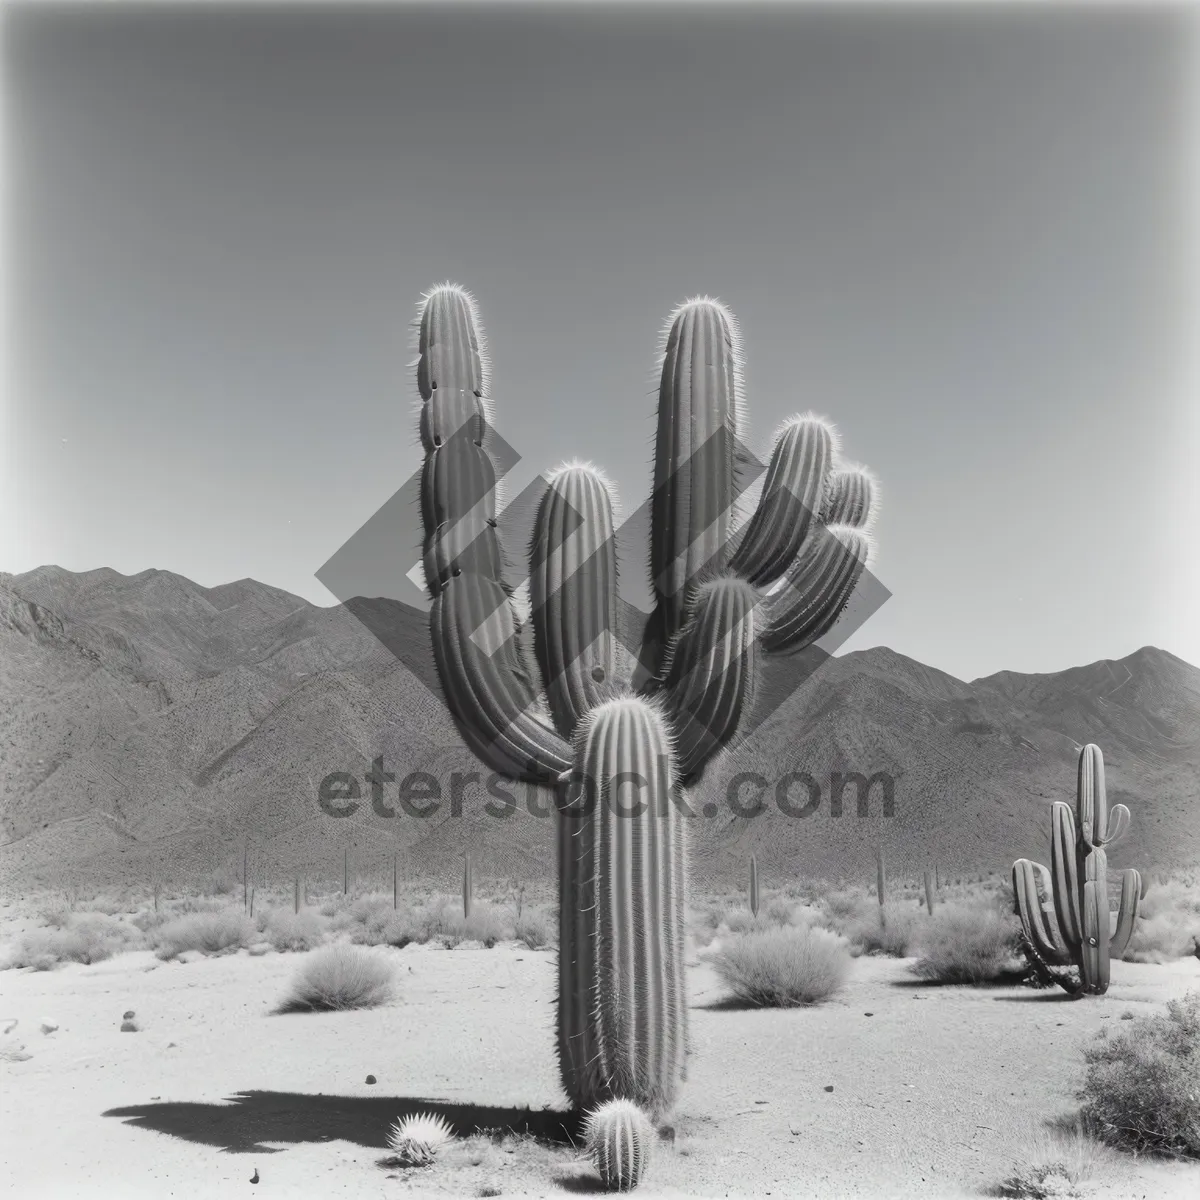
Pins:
<point x="753" y="886"/>
<point x="1064" y="911"/>
<point x="613" y="717"/>
<point x="468" y="886"/>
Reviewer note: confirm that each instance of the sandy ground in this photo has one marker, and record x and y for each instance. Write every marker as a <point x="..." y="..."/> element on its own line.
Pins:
<point x="936" y="1092"/>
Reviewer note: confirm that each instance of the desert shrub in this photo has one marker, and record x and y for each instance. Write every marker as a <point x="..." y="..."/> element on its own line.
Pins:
<point x="536" y="928"/>
<point x="1060" y="1162"/>
<point x="1141" y="1090"/>
<point x="55" y="913"/>
<point x="208" y="932"/>
<point x="340" y="977"/>
<point x="287" y="930"/>
<point x="445" y="923"/>
<point x="220" y="883"/>
<point x="1168" y="925"/>
<point x="872" y="928"/>
<point x="84" y="938"/>
<point x="783" y="967"/>
<point x="967" y="943"/>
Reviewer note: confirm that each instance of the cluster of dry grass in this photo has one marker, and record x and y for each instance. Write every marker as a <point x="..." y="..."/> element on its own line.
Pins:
<point x="68" y="929"/>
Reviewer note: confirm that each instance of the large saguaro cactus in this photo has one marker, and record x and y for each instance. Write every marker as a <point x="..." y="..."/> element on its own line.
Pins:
<point x="620" y="732"/>
<point x="1064" y="911"/>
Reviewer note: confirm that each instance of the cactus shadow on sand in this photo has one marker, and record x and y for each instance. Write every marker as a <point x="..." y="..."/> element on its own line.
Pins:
<point x="250" y="1121"/>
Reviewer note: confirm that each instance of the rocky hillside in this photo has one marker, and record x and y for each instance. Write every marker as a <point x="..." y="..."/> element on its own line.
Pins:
<point x="149" y="725"/>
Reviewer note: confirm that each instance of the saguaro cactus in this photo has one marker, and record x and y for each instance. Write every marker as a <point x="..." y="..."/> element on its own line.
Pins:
<point x="753" y="886"/>
<point x="1064" y="911"/>
<point x="620" y="733"/>
<point x="468" y="886"/>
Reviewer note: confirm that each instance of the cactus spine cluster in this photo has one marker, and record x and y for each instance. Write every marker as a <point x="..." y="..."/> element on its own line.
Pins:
<point x="619" y="1139"/>
<point x="619" y="734"/>
<point x="1064" y="911"/>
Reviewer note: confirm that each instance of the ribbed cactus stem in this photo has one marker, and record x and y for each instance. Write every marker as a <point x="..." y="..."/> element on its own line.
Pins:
<point x="929" y="891"/>
<point x="792" y="495"/>
<point x="1064" y="911"/>
<point x="753" y="886"/>
<point x="710" y="677"/>
<point x="620" y="1138"/>
<point x="468" y="887"/>
<point x="696" y="458"/>
<point x="880" y="877"/>
<point x="487" y="687"/>
<point x="817" y="588"/>
<point x="573" y="591"/>
<point x="850" y="497"/>
<point x="621" y="1015"/>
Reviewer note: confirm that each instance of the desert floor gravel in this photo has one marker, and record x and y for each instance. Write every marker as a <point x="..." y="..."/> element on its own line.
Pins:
<point x="894" y="1089"/>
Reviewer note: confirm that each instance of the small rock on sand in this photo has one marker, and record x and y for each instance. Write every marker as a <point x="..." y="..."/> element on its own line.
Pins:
<point x="48" y="1026"/>
<point x="129" y="1027"/>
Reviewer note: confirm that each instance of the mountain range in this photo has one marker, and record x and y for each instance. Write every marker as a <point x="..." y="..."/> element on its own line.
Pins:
<point x="151" y="727"/>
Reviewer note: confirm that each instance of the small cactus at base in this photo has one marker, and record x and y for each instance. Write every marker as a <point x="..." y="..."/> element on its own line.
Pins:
<point x="417" y="1139"/>
<point x="619" y="1137"/>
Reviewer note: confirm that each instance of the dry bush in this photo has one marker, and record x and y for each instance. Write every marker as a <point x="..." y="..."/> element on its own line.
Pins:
<point x="783" y="967"/>
<point x="968" y="943"/>
<point x="209" y="932"/>
<point x="871" y="927"/>
<point x="1142" y="1088"/>
<point x="296" y="931"/>
<point x="1060" y="1162"/>
<point x="84" y="938"/>
<point x="340" y="977"/>
<point x="537" y="928"/>
<point x="445" y="923"/>
<point x="1168" y="925"/>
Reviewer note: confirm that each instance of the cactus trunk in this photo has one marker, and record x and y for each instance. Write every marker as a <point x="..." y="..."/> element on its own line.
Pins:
<point x="621" y="1011"/>
<point x="753" y="886"/>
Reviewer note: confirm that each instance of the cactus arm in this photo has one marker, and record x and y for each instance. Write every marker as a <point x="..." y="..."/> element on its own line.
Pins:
<point x="488" y="690"/>
<point x="850" y="497"/>
<point x="1118" y="824"/>
<point x="573" y="589"/>
<point x="621" y="1012"/>
<point x="1092" y="802"/>
<point x="485" y="683"/>
<point x="695" y="462"/>
<point x="1041" y="933"/>
<point x="1127" y="912"/>
<point x="1064" y="865"/>
<point x="817" y="589"/>
<point x="792" y="495"/>
<point x="710" y="672"/>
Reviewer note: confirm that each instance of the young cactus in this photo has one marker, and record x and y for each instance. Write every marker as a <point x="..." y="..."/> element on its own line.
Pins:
<point x="599" y="716"/>
<point x="619" y="1139"/>
<point x="416" y="1140"/>
<point x="1064" y="911"/>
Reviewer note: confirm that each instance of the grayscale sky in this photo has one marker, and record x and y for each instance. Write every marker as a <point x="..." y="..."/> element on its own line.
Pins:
<point x="967" y="235"/>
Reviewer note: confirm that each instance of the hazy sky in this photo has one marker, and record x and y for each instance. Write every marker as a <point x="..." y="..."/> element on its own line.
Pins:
<point x="962" y="233"/>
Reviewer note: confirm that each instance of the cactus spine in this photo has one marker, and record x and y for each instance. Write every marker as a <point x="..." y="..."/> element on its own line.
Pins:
<point x="753" y="886"/>
<point x="619" y="1139"/>
<point x="722" y="595"/>
<point x="1064" y="911"/>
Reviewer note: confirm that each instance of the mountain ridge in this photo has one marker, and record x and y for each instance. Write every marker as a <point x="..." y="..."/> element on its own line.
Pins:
<point x="148" y="723"/>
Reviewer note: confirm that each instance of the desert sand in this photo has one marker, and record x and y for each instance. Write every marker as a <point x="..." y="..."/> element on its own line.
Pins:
<point x="894" y="1088"/>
